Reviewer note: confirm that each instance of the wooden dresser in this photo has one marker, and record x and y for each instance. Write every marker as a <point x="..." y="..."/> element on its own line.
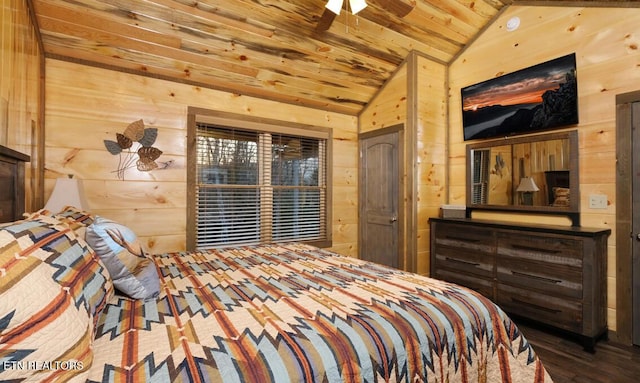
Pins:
<point x="11" y="184"/>
<point x="554" y="275"/>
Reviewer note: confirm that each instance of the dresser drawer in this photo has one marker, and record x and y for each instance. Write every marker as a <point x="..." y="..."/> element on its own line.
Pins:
<point x="554" y="280"/>
<point x="467" y="268"/>
<point x="465" y="261"/>
<point x="482" y="285"/>
<point x="465" y="237"/>
<point x="554" y="251"/>
<point x="560" y="312"/>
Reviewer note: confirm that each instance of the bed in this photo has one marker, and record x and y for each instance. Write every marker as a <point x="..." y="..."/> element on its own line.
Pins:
<point x="264" y="313"/>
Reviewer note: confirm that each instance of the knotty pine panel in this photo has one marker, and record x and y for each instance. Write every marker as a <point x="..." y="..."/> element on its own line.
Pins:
<point x="172" y="141"/>
<point x="148" y="222"/>
<point x="101" y="165"/>
<point x="348" y="249"/>
<point x="597" y="135"/>
<point x="130" y="195"/>
<point x="343" y="154"/>
<point x="597" y="167"/>
<point x="430" y="94"/>
<point x="389" y="106"/>
<point x="345" y="177"/>
<point x="432" y="176"/>
<point x="86" y="105"/>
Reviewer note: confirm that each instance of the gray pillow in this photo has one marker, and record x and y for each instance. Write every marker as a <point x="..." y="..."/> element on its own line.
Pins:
<point x="132" y="271"/>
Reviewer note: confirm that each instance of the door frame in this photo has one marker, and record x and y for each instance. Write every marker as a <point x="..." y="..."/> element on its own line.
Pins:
<point x="403" y="263"/>
<point x="624" y="218"/>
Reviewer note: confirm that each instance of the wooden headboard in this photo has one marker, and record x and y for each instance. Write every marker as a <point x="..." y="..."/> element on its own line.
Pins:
<point x="11" y="184"/>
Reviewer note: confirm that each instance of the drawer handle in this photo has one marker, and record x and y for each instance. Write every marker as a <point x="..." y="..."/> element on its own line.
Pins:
<point x="537" y="307"/>
<point x="475" y="264"/>
<point x="536" y="277"/>
<point x="523" y="247"/>
<point x="463" y="239"/>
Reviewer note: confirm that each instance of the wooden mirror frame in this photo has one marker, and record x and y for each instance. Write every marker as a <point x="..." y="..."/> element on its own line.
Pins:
<point x="572" y="211"/>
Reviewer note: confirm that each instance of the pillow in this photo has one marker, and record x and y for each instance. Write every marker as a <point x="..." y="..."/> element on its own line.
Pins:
<point x="42" y="215"/>
<point x="77" y="219"/>
<point x="133" y="273"/>
<point x="76" y="215"/>
<point x="52" y="290"/>
<point x="560" y="196"/>
<point x="80" y="270"/>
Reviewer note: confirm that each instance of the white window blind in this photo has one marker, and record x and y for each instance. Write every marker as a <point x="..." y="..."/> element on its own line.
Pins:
<point x="258" y="187"/>
<point x="481" y="176"/>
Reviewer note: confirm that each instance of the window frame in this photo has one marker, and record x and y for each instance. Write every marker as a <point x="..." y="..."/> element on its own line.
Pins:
<point x="263" y="125"/>
<point x="480" y="181"/>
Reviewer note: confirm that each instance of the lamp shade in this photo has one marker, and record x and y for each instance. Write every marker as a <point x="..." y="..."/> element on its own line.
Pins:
<point x="527" y="185"/>
<point x="67" y="192"/>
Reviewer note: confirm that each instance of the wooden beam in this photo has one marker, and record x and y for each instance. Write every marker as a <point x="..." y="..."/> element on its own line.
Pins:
<point x="325" y="20"/>
<point x="397" y="7"/>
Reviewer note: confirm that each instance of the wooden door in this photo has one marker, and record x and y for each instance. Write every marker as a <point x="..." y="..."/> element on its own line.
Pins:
<point x="379" y="194"/>
<point x="635" y="164"/>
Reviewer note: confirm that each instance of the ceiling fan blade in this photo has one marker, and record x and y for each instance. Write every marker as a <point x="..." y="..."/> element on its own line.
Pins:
<point x="400" y="8"/>
<point x="397" y="7"/>
<point x="325" y="20"/>
<point x="335" y="6"/>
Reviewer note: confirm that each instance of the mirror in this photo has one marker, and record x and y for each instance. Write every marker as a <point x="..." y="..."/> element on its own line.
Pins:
<point x="533" y="173"/>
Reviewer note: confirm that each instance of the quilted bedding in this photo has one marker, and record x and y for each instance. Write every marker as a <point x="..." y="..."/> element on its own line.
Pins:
<point x="296" y="313"/>
<point x="279" y="313"/>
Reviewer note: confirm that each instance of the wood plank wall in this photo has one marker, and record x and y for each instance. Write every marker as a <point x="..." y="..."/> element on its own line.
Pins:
<point x="86" y="105"/>
<point x="389" y="106"/>
<point x="416" y="97"/>
<point x="606" y="42"/>
<point x="20" y="92"/>
<point x="430" y="142"/>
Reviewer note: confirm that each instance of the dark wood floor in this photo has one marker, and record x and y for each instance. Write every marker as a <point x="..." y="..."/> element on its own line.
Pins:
<point x="566" y="361"/>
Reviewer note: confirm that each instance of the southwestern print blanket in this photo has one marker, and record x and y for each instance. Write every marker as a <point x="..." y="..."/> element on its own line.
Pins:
<point x="296" y="313"/>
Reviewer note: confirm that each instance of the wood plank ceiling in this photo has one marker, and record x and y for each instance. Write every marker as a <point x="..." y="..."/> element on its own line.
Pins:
<point x="264" y="48"/>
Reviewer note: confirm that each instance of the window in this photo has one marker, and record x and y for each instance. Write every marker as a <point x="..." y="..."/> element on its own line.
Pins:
<point x="258" y="186"/>
<point x="481" y="176"/>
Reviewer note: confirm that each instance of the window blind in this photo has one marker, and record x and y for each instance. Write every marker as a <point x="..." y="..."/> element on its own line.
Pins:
<point x="481" y="177"/>
<point x="258" y="187"/>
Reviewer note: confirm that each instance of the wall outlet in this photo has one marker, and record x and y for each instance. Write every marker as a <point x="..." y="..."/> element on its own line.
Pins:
<point x="597" y="201"/>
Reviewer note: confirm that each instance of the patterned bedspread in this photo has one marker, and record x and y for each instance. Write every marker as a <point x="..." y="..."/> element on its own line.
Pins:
<point x="296" y="313"/>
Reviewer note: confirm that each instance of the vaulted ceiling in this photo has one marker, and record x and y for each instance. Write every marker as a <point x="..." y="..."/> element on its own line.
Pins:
<point x="265" y="48"/>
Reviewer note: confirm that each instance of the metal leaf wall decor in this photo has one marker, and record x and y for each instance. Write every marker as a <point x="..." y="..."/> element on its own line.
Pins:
<point x="135" y="148"/>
